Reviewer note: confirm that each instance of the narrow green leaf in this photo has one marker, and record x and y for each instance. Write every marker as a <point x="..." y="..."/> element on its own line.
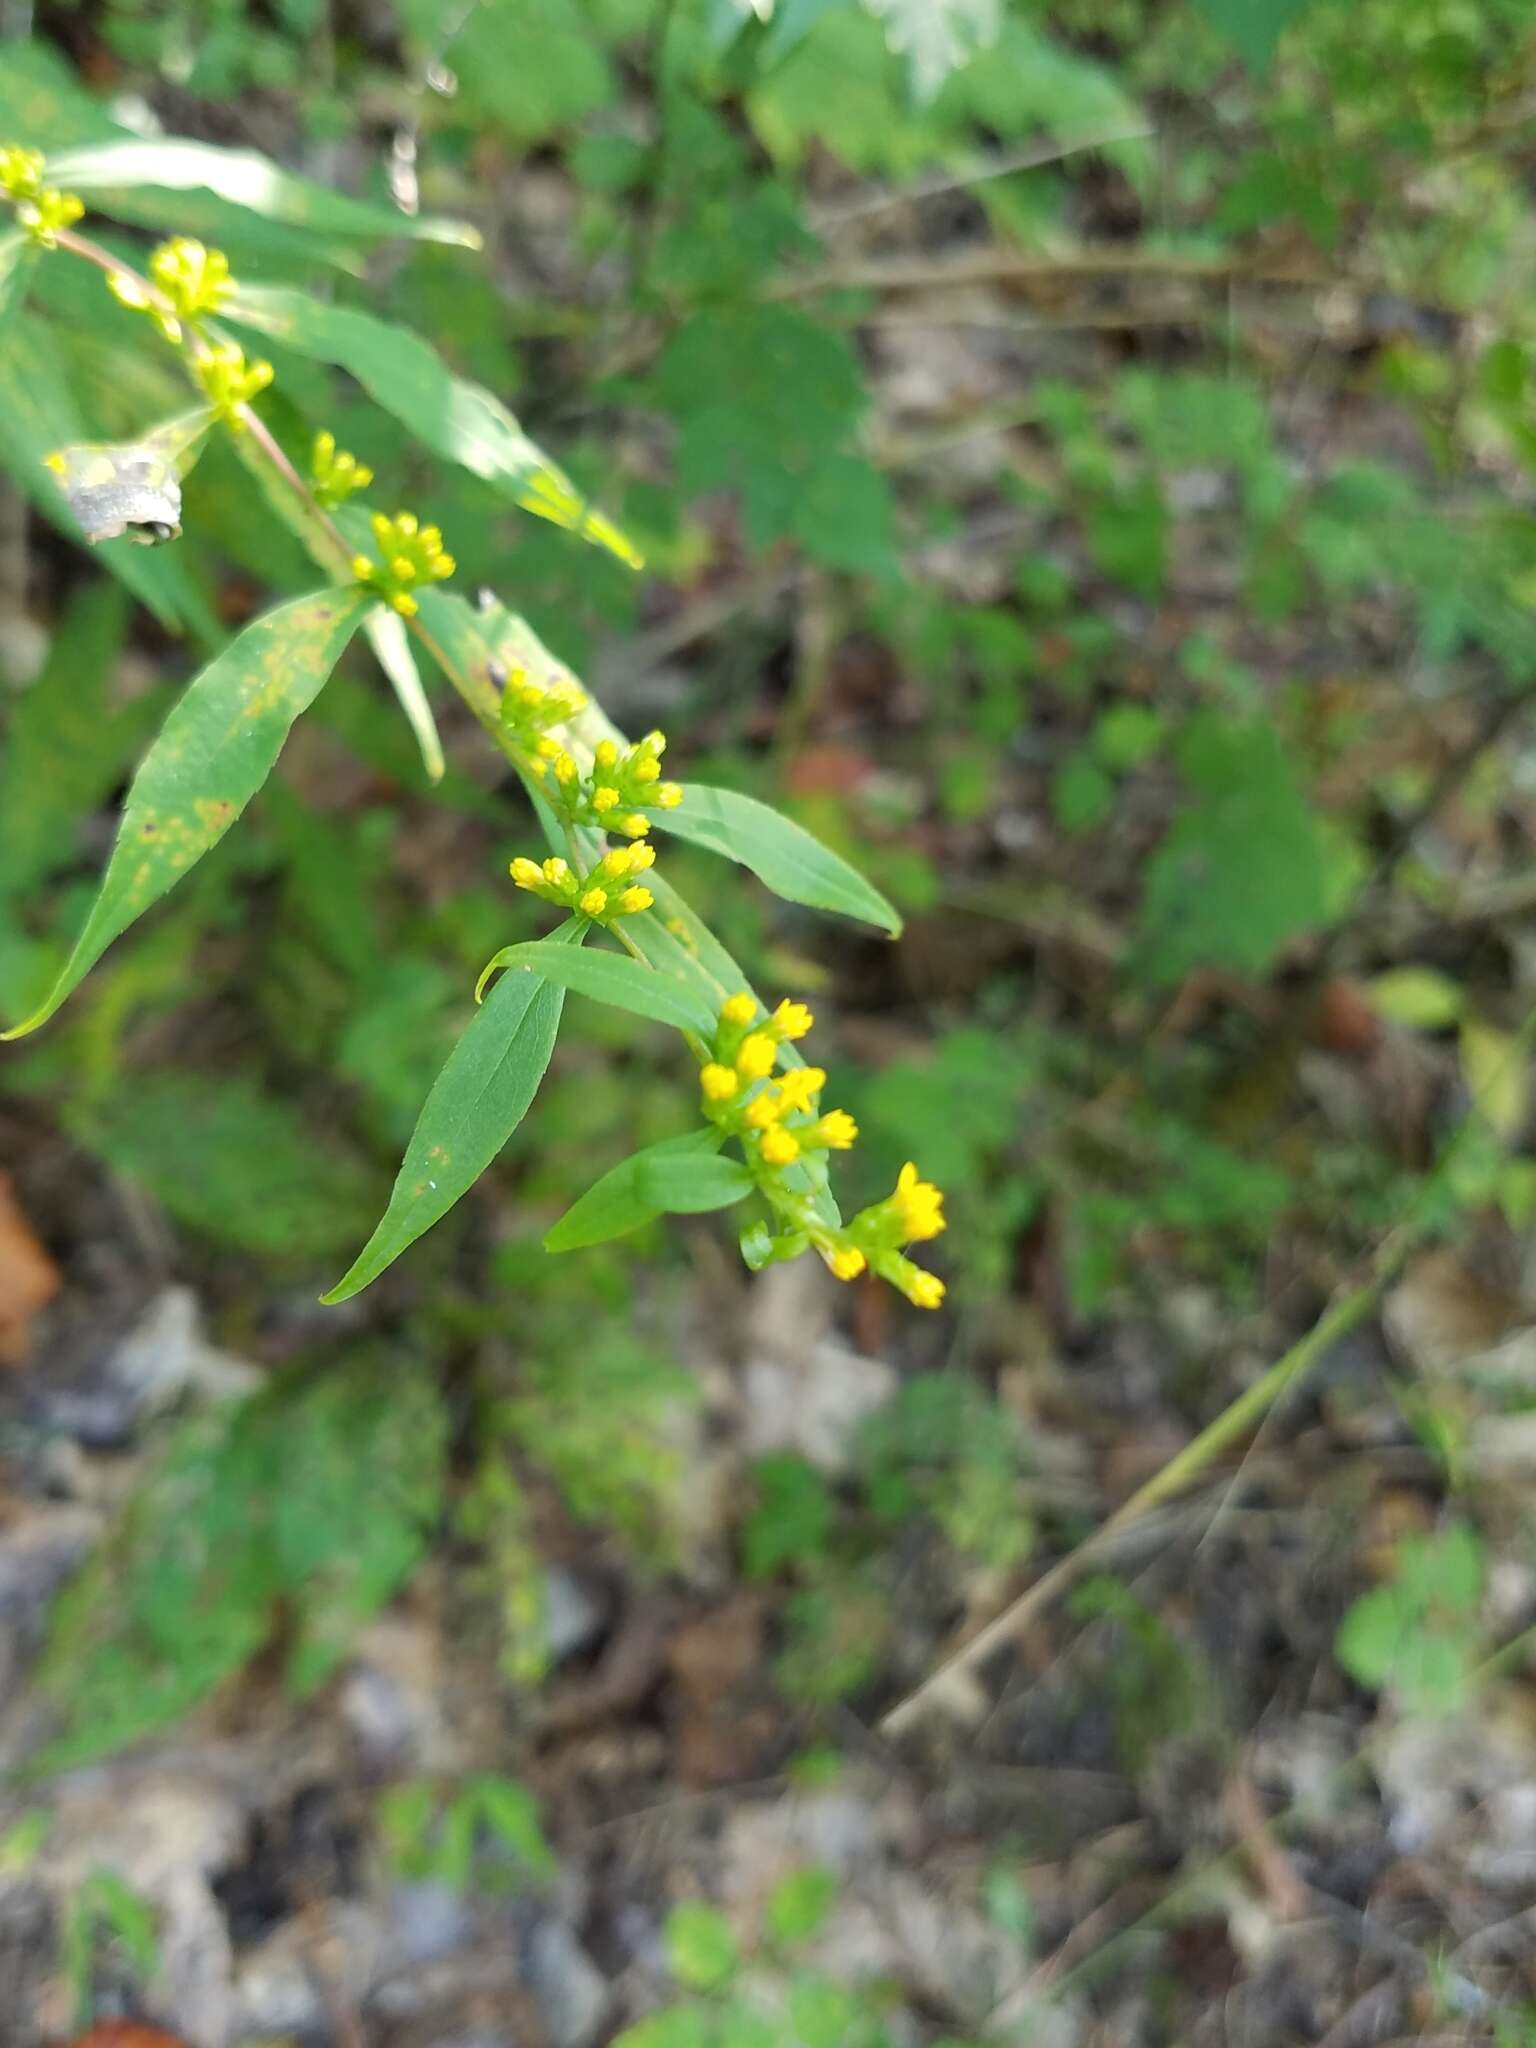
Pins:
<point x="476" y="1103"/>
<point x="214" y="752"/>
<point x="612" y="978"/>
<point x="387" y="637"/>
<point x="13" y="274"/>
<point x="683" y="1175"/>
<point x="783" y="855"/>
<point x="455" y="418"/>
<point x="244" y="179"/>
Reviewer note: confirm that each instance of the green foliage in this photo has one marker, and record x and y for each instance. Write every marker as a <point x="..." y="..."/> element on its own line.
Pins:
<point x="783" y="855"/>
<point x="734" y="2005"/>
<point x="216" y="749"/>
<point x="484" y="1832"/>
<point x="1418" y="1638"/>
<point x="793" y="1519"/>
<point x="313" y="1502"/>
<point x="943" y="1449"/>
<point x="105" y="1909"/>
<point x="681" y="1176"/>
<point x="1245" y="868"/>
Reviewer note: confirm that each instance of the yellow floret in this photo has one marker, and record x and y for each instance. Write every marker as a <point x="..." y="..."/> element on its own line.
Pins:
<point x="604" y="799"/>
<point x="848" y="1263"/>
<point x="837" y="1129"/>
<point x="926" y="1290"/>
<point x="799" y="1088"/>
<point x="719" y="1083"/>
<point x="918" y="1204"/>
<point x="606" y="754"/>
<point x="792" y="1020"/>
<point x="739" y="1009"/>
<point x="780" y="1148"/>
<point x="527" y="873"/>
<point x="633" y="824"/>
<point x="669" y="795"/>
<point x="594" y="902"/>
<point x="647" y="770"/>
<point x="635" y="900"/>
<point x="555" y="869"/>
<point x="641" y="858"/>
<point x="763" y="1110"/>
<point x="755" y="1060"/>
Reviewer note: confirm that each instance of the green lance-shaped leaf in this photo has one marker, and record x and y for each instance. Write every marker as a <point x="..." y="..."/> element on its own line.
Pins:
<point x="245" y="179"/>
<point x="212" y="755"/>
<point x="683" y="1176"/>
<point x="476" y="1103"/>
<point x="792" y="862"/>
<point x="612" y="978"/>
<point x="14" y="249"/>
<point x="387" y="637"/>
<point x="455" y="418"/>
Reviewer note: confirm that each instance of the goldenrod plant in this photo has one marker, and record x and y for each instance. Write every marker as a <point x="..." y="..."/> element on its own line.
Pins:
<point x="764" y="1133"/>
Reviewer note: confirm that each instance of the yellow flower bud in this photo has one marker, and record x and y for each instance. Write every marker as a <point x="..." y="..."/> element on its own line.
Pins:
<point x="634" y="824"/>
<point x="527" y="873"/>
<point x="594" y="902"/>
<point x="635" y="900"/>
<point x="755" y="1060"/>
<point x="669" y="795"/>
<point x="800" y="1087"/>
<point x="555" y="870"/>
<point x="926" y="1290"/>
<point x="604" y="799"/>
<point x="837" y="1129"/>
<point x="641" y="858"/>
<point x="847" y="1263"/>
<point x="779" y="1148"/>
<point x="792" y="1020"/>
<point x="618" y="862"/>
<point x="918" y="1206"/>
<point x="739" y="1009"/>
<point x="718" y="1083"/>
<point x="647" y="769"/>
<point x="763" y="1110"/>
<point x="606" y="754"/>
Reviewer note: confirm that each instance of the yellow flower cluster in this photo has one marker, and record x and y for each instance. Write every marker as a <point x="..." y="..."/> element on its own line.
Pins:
<point x="194" y="279"/>
<point x="229" y="380"/>
<point x="334" y="474"/>
<point x="623" y="786"/>
<point x="413" y="554"/>
<point x="778" y="1119"/>
<point x="529" y="709"/>
<point x="40" y="210"/>
<point x="607" y="891"/>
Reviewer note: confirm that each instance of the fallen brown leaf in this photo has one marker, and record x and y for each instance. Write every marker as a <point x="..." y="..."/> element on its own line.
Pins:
<point x="28" y="1277"/>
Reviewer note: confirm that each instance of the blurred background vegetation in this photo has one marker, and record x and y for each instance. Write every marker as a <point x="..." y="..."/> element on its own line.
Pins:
<point x="1083" y="455"/>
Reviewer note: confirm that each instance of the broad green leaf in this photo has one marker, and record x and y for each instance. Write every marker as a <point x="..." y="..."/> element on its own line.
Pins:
<point x="459" y="420"/>
<point x="1253" y="27"/>
<point x="214" y="752"/>
<point x="790" y="860"/>
<point x="612" y="978"/>
<point x="476" y="1103"/>
<point x="38" y="415"/>
<point x="1245" y="868"/>
<point x="682" y="1176"/>
<point x="245" y="179"/>
<point x="387" y="637"/>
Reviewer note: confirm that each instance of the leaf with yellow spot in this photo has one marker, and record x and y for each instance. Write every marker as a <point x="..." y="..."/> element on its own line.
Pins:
<point x="214" y="752"/>
<point x="457" y="419"/>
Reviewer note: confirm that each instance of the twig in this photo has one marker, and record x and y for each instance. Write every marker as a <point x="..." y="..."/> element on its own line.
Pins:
<point x="1010" y="266"/>
<point x="1182" y="1469"/>
<point x="1032" y="157"/>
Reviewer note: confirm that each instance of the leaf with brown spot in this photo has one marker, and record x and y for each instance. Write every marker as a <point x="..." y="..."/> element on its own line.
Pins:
<point x="214" y="752"/>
